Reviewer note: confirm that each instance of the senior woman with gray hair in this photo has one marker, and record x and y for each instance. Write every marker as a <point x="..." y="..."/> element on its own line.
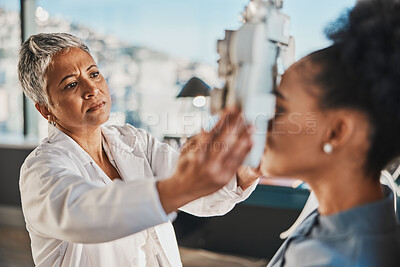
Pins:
<point x="95" y="195"/>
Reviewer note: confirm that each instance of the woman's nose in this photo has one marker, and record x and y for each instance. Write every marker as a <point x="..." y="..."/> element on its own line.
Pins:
<point x="90" y="90"/>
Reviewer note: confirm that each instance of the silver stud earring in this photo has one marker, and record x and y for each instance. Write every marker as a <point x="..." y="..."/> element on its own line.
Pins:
<point x="328" y="148"/>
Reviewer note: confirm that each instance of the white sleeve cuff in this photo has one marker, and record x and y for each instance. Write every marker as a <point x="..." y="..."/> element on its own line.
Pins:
<point x="170" y="216"/>
<point x="235" y="191"/>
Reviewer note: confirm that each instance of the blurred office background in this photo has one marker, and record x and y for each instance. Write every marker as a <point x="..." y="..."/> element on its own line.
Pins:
<point x="148" y="50"/>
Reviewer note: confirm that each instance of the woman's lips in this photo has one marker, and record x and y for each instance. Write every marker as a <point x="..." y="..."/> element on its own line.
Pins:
<point x="97" y="106"/>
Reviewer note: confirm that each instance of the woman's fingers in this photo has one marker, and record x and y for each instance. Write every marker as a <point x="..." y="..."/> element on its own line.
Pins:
<point x="241" y="147"/>
<point x="209" y="160"/>
<point x="227" y="119"/>
<point x="195" y="142"/>
<point x="232" y="132"/>
<point x="229" y="141"/>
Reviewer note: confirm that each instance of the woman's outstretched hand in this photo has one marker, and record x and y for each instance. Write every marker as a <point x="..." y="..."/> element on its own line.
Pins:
<point x="208" y="161"/>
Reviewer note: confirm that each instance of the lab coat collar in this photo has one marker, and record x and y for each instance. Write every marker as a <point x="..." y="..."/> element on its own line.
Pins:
<point x="113" y="137"/>
<point x="60" y="139"/>
<point x="122" y="144"/>
<point x="117" y="140"/>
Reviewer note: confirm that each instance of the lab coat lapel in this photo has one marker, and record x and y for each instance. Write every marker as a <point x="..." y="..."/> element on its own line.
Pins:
<point x="130" y="166"/>
<point x="60" y="139"/>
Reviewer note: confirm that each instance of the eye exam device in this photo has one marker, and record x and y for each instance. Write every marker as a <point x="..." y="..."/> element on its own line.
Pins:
<point x="252" y="59"/>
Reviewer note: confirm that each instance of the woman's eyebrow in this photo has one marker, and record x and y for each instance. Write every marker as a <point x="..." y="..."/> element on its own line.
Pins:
<point x="66" y="77"/>
<point x="91" y="66"/>
<point x="72" y="75"/>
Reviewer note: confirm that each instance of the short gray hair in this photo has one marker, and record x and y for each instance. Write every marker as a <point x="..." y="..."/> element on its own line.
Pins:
<point x="35" y="57"/>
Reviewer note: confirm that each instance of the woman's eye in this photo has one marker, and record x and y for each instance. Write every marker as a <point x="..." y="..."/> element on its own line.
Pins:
<point x="279" y="110"/>
<point x="71" y="85"/>
<point x="95" y="74"/>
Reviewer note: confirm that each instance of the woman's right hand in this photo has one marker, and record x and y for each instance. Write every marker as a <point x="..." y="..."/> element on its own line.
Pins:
<point x="208" y="161"/>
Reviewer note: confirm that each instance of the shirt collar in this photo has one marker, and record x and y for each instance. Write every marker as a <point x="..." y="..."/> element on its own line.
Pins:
<point x="378" y="216"/>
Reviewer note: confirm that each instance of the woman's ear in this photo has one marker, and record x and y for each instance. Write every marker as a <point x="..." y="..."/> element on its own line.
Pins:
<point x="340" y="130"/>
<point x="42" y="108"/>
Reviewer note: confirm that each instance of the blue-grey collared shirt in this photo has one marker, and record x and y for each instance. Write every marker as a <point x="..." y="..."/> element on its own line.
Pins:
<point x="367" y="235"/>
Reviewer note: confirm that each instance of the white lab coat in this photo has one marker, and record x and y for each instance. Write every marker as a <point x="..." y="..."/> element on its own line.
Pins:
<point x="76" y="217"/>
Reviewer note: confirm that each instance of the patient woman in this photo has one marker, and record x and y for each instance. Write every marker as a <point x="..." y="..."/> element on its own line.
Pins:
<point x="337" y="128"/>
<point x="96" y="195"/>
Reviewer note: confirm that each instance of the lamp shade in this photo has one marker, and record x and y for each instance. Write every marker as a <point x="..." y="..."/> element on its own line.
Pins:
<point x="194" y="87"/>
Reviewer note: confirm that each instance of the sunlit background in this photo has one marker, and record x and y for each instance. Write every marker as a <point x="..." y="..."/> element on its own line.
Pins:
<point x="147" y="50"/>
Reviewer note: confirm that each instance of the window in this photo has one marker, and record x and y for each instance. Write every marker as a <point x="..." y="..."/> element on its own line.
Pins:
<point x="147" y="50"/>
<point x="11" y="106"/>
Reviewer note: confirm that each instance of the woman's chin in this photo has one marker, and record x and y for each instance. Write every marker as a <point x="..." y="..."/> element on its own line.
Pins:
<point x="99" y="119"/>
<point x="269" y="172"/>
<point x="266" y="164"/>
<point x="269" y="166"/>
<point x="266" y="169"/>
<point x="266" y="173"/>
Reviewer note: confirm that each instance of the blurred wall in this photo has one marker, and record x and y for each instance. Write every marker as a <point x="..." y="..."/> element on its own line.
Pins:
<point x="11" y="159"/>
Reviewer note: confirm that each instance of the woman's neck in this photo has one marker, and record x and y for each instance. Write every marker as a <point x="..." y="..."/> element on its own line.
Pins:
<point x="340" y="191"/>
<point x="90" y="139"/>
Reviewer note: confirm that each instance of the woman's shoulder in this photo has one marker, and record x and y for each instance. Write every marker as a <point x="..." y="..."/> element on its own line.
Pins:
<point x="45" y="155"/>
<point x="47" y="150"/>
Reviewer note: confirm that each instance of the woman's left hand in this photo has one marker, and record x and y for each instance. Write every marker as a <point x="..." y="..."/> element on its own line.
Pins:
<point x="246" y="175"/>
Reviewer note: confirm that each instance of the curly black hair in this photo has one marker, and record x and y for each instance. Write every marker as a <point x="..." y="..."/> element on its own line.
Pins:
<point x="361" y="71"/>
